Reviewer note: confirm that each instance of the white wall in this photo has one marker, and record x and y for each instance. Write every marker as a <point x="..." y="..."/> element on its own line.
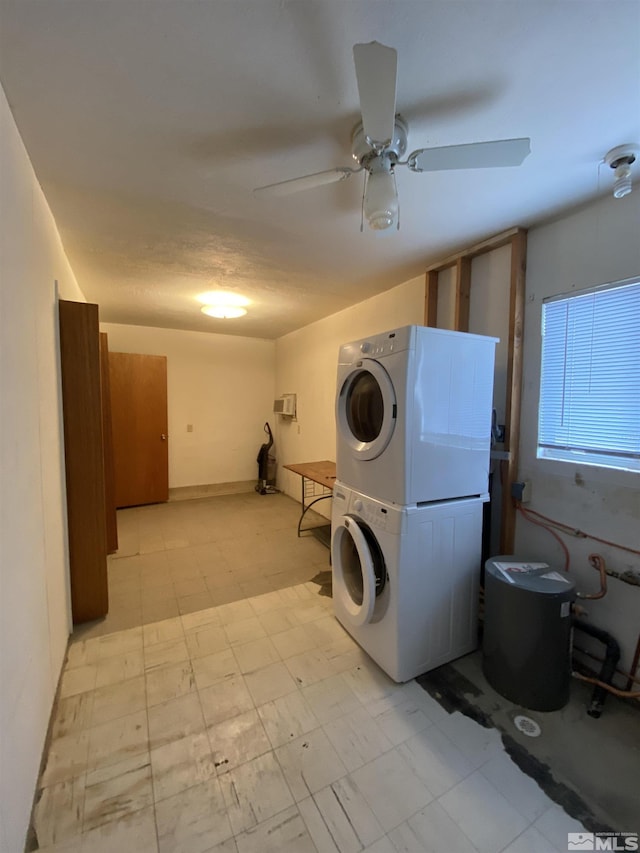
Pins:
<point x="34" y="594"/>
<point x="592" y="246"/>
<point x="223" y="385"/>
<point x="307" y="362"/>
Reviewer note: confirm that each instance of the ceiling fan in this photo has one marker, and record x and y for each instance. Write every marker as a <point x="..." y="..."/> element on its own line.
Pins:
<point x="379" y="141"/>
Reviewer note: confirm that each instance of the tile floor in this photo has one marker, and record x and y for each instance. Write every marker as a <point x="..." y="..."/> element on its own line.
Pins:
<point x="185" y="556"/>
<point x="258" y="725"/>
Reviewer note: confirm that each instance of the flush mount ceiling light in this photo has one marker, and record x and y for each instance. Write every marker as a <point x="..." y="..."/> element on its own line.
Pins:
<point x="620" y="159"/>
<point x="222" y="297"/>
<point x="224" y="312"/>
<point x="223" y="305"/>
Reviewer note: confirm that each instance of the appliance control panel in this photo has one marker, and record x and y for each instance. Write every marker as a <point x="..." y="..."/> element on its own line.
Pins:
<point x="373" y="516"/>
<point x="377" y="515"/>
<point x="377" y="346"/>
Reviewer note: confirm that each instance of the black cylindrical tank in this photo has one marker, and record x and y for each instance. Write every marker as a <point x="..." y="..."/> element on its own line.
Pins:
<point x="527" y="632"/>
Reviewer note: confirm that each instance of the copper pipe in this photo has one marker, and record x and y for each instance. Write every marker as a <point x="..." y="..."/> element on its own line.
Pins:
<point x="601" y="660"/>
<point x="526" y="513"/>
<point x="565" y="528"/>
<point x="598" y="563"/>
<point x="624" y="694"/>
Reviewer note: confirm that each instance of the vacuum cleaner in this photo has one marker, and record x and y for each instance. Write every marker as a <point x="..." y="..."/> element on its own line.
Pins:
<point x="266" y="467"/>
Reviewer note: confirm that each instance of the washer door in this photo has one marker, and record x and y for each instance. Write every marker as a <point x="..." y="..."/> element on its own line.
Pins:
<point x="366" y="409"/>
<point x="359" y="571"/>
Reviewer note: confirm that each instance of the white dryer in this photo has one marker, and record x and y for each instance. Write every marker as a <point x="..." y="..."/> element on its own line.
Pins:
<point x="406" y="579"/>
<point x="413" y="414"/>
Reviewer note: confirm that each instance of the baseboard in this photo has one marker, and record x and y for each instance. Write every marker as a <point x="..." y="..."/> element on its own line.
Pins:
<point x="211" y="490"/>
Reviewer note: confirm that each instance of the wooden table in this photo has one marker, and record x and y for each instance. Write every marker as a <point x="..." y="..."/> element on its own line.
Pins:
<point x="315" y="474"/>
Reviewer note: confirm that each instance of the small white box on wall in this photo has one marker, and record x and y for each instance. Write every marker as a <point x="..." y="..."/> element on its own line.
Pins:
<point x="285" y="405"/>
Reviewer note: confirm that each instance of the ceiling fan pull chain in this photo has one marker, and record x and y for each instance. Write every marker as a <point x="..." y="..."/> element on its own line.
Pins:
<point x="364" y="192"/>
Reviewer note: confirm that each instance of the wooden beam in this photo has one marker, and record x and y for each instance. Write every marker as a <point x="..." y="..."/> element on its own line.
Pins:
<point x="431" y="299"/>
<point x="514" y="388"/>
<point x="516" y="238"/>
<point x="488" y="245"/>
<point x="463" y="288"/>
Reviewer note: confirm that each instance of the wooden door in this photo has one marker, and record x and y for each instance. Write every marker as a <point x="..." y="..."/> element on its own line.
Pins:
<point x="84" y="459"/>
<point x="139" y="421"/>
<point x="109" y="474"/>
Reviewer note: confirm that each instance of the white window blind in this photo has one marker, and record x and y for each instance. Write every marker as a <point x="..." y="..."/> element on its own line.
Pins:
<point x="590" y="379"/>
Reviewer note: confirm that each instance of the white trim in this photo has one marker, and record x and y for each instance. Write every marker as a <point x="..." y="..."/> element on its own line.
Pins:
<point x="589" y="290"/>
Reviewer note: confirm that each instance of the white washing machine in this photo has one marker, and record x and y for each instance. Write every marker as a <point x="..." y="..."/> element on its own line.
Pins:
<point x="413" y="414"/>
<point x="406" y="579"/>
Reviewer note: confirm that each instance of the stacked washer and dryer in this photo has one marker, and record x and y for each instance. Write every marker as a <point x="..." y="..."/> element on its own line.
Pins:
<point x="413" y="418"/>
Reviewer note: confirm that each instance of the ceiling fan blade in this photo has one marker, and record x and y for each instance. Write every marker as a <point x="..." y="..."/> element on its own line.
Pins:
<point x="306" y="182"/>
<point x="376" y="68"/>
<point x="476" y="155"/>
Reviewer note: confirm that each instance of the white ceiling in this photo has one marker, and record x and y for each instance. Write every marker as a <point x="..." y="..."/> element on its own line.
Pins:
<point x="149" y="122"/>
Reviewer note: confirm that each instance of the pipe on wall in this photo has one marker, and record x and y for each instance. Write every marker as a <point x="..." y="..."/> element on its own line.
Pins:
<point x="612" y="656"/>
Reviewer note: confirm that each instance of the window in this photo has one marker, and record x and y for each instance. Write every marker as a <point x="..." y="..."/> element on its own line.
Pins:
<point x="590" y="377"/>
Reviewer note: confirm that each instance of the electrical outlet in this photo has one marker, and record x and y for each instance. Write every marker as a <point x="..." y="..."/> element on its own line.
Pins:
<point x="526" y="492"/>
<point x="189" y="427"/>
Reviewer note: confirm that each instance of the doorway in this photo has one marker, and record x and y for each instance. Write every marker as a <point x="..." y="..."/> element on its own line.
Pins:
<point x="140" y="432"/>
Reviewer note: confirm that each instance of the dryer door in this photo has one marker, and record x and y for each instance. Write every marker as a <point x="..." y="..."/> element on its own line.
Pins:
<point x="366" y="409"/>
<point x="359" y="571"/>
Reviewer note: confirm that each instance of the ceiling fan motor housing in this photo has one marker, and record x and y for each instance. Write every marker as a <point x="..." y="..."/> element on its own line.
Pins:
<point x="364" y="154"/>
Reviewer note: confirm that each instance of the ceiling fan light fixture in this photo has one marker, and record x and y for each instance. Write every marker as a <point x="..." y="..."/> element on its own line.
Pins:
<point x="622" y="183"/>
<point x="620" y="159"/>
<point x="223" y="312"/>
<point x="381" y="198"/>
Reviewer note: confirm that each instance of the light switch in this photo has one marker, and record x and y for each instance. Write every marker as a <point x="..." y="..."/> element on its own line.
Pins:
<point x="189" y="427"/>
